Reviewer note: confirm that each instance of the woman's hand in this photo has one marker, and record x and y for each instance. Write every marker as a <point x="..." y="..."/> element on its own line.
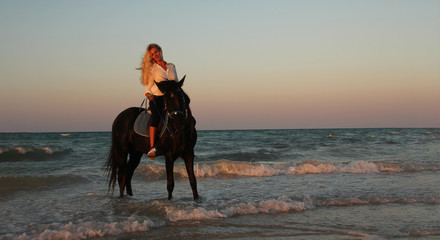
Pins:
<point x="149" y="96"/>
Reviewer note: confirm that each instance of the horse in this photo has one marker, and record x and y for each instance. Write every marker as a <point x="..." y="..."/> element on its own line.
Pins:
<point x="178" y="140"/>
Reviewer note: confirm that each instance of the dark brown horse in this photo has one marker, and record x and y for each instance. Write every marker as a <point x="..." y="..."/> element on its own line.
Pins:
<point x="177" y="141"/>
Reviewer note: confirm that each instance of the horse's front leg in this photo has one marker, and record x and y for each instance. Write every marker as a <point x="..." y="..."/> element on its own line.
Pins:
<point x="169" y="164"/>
<point x="189" y="164"/>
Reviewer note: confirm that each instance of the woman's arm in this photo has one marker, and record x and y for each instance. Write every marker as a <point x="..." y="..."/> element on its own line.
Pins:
<point x="148" y="93"/>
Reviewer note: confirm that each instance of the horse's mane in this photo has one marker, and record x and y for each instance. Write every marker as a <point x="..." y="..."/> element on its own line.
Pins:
<point x="187" y="99"/>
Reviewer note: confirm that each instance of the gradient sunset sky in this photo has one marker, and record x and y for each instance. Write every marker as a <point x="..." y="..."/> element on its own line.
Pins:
<point x="70" y="65"/>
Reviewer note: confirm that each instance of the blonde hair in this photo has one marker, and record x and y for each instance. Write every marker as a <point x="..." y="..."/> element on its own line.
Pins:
<point x="147" y="62"/>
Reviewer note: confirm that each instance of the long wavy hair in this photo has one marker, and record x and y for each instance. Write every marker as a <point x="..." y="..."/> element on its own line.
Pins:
<point x="147" y="62"/>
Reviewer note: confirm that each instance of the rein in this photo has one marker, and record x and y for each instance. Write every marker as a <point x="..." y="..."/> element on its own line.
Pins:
<point x="183" y="111"/>
<point x="145" y="106"/>
<point x="171" y="115"/>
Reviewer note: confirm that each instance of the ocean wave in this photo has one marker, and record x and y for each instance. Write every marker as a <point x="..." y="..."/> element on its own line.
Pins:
<point x="282" y="204"/>
<point x="36" y="153"/>
<point x="86" y="230"/>
<point x="247" y="169"/>
<point x="183" y="211"/>
<point x="272" y="206"/>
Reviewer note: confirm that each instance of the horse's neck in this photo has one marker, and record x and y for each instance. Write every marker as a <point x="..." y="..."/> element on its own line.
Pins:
<point x="190" y="120"/>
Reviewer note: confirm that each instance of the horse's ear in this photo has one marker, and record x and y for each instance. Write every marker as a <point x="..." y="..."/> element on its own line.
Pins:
<point x="181" y="81"/>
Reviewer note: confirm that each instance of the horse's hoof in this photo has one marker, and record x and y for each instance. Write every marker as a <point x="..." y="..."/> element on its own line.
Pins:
<point x="197" y="199"/>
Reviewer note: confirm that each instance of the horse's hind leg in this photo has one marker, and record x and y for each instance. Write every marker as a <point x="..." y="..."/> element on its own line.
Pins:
<point x="189" y="164"/>
<point x="121" y="181"/>
<point x="133" y="162"/>
<point x="122" y="174"/>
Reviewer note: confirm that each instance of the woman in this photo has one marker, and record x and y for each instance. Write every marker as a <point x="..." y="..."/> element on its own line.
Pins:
<point x="154" y="68"/>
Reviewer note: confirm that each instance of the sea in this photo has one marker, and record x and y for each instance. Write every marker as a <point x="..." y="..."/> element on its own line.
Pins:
<point x="254" y="184"/>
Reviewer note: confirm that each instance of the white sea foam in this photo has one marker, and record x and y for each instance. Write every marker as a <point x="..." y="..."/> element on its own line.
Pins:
<point x="30" y="149"/>
<point x="19" y="153"/>
<point x="48" y="150"/>
<point x="312" y="167"/>
<point x="20" y="150"/>
<point x="224" y="167"/>
<point x="389" y="167"/>
<point x="246" y="169"/>
<point x="85" y="230"/>
<point x="191" y="213"/>
<point x="272" y="206"/>
<point x="282" y="204"/>
<point x="213" y="169"/>
<point x="359" y="167"/>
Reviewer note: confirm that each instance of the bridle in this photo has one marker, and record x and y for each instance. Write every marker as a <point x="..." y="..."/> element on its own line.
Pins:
<point x="173" y="115"/>
<point x="183" y="108"/>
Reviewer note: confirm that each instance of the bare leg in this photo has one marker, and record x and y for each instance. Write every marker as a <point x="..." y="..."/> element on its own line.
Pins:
<point x="152" y="136"/>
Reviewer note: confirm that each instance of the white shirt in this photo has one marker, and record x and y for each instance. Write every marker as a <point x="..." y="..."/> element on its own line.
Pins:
<point x="158" y="74"/>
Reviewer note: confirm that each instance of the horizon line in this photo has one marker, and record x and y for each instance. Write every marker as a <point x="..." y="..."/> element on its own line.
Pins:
<point x="250" y="129"/>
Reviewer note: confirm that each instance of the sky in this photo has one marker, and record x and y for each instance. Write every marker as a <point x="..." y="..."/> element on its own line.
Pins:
<point x="249" y="64"/>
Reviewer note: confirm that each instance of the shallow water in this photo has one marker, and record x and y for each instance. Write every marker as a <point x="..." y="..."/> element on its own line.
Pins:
<point x="277" y="184"/>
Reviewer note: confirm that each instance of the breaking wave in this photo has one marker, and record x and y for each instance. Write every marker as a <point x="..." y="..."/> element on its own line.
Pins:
<point x="246" y="169"/>
<point x="25" y="153"/>
<point x="282" y="204"/>
<point x="272" y="206"/>
<point x="181" y="211"/>
<point x="86" y="230"/>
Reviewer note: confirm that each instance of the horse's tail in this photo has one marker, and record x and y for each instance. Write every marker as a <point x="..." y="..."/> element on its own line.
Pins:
<point x="115" y="161"/>
<point x="112" y="166"/>
<point x="112" y="163"/>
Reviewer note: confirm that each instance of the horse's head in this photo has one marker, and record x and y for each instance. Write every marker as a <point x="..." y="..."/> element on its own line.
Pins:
<point x="176" y="103"/>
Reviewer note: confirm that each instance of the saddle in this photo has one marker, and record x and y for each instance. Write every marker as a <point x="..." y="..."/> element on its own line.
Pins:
<point x="143" y="122"/>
